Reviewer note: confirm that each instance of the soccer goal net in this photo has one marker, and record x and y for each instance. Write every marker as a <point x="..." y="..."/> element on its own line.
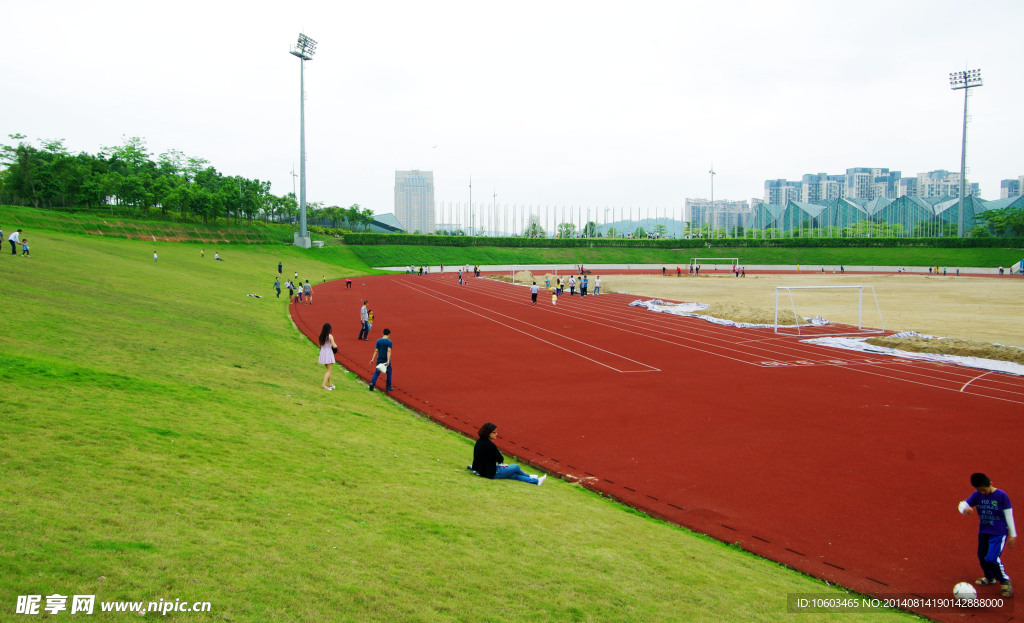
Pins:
<point x="847" y="310"/>
<point x="528" y="273"/>
<point x="715" y="261"/>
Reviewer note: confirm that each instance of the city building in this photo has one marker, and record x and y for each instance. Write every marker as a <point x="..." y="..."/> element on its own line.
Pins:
<point x="723" y="214"/>
<point x="414" y="201"/>
<point x="822" y="187"/>
<point x="1011" y="188"/>
<point x="865" y="183"/>
<point x="938" y="183"/>
<point x="779" y="192"/>
<point x="869" y="184"/>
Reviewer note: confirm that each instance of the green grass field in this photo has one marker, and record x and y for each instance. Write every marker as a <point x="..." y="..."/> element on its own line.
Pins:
<point x="165" y="436"/>
<point x="380" y="255"/>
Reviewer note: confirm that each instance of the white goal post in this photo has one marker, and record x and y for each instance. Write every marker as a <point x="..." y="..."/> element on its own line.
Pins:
<point x="847" y="304"/>
<point x="542" y="269"/>
<point x="731" y="261"/>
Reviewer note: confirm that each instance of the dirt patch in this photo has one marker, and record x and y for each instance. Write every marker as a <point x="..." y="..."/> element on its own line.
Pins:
<point x="973" y="309"/>
<point x="738" y="312"/>
<point x="951" y="346"/>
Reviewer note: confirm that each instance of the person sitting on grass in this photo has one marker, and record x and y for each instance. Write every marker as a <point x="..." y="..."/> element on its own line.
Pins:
<point x="488" y="462"/>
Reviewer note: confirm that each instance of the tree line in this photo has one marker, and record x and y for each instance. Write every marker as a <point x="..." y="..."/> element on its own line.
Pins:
<point x="128" y="179"/>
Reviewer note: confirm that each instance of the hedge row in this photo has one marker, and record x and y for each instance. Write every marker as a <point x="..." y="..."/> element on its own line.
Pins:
<point x="354" y="238"/>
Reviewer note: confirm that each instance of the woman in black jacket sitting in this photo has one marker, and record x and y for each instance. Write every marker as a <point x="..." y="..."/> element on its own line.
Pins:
<point x="489" y="463"/>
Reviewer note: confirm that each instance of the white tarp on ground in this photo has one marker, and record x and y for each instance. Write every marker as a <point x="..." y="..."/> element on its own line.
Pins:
<point x="691" y="309"/>
<point x="849" y="343"/>
<point x="858" y="344"/>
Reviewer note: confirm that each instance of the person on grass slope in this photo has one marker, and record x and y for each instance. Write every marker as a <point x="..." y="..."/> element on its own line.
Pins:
<point x="488" y="462"/>
<point x="382" y="356"/>
<point x="327" y="349"/>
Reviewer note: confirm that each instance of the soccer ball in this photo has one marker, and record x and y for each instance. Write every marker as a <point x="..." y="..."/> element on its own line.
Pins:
<point x="965" y="592"/>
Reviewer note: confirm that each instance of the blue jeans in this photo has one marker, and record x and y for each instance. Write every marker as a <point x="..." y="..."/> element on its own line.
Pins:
<point x="376" y="373"/>
<point x="514" y="472"/>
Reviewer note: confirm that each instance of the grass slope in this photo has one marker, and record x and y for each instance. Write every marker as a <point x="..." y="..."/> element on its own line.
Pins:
<point x="165" y="436"/>
<point x="97" y="223"/>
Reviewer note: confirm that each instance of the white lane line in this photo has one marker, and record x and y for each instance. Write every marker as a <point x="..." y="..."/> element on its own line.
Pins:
<point x="462" y="305"/>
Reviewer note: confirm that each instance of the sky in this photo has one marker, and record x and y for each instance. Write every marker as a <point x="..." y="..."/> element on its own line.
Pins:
<point x="555" y="102"/>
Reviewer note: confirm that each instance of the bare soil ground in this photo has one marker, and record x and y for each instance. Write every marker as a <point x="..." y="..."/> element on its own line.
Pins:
<point x="978" y="311"/>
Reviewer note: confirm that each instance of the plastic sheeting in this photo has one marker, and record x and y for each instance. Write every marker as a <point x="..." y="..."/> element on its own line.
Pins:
<point x="859" y="344"/>
<point x="691" y="309"/>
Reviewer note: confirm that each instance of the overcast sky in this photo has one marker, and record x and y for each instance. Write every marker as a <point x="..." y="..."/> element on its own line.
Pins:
<point x="559" y="103"/>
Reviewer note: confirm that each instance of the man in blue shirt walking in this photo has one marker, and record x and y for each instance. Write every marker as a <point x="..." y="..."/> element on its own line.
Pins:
<point x="382" y="355"/>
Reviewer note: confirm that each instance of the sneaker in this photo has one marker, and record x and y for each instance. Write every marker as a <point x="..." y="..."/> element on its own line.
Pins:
<point x="388" y="389"/>
<point x="331" y="387"/>
<point x="984" y="581"/>
<point x="1007" y="590"/>
<point x="371" y="388"/>
<point x="541" y="480"/>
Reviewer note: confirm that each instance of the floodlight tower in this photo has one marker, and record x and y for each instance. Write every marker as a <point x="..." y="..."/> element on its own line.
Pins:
<point x="966" y="80"/>
<point x="714" y="214"/>
<point x="304" y="49"/>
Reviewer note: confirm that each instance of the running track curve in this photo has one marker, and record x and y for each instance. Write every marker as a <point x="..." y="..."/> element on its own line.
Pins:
<point x="845" y="465"/>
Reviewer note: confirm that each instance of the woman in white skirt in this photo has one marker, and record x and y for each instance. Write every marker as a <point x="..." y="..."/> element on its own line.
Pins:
<point x="327" y="349"/>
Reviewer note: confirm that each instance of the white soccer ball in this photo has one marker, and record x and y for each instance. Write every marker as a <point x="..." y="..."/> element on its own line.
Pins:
<point x="964" y="591"/>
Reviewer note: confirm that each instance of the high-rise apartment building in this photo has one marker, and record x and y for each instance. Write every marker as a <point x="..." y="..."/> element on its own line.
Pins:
<point x="870" y="184"/>
<point x="939" y="183"/>
<point x="781" y="192"/>
<point x="1011" y="188"/>
<point x="414" y="200"/>
<point x="865" y="183"/>
<point x="722" y="214"/>
<point x="822" y="187"/>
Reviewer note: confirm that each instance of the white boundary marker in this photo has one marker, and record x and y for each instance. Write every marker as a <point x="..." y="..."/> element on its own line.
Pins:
<point x="860" y="308"/>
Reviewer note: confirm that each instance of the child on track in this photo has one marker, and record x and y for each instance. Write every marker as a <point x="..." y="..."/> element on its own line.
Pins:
<point x="996" y="530"/>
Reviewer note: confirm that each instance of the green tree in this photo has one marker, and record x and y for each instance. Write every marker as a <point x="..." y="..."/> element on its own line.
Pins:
<point x="352" y="216"/>
<point x="365" y="217"/>
<point x="1002" y="222"/>
<point x="533" y="228"/>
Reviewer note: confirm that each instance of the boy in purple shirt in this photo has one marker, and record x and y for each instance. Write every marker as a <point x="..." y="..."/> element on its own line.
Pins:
<point x="995" y="530"/>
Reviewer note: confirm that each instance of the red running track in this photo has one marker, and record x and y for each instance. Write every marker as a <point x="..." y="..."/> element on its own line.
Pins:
<point x="845" y="465"/>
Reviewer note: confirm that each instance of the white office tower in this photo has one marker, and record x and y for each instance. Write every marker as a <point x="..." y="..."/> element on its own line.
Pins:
<point x="414" y="201"/>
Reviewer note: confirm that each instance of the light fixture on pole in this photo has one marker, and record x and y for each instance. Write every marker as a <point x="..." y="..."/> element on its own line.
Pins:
<point x="714" y="214"/>
<point x="965" y="80"/>
<point x="304" y="49"/>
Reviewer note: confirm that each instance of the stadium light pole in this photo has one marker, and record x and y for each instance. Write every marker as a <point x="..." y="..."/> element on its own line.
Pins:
<point x="304" y="49"/>
<point x="714" y="214"/>
<point x="965" y="80"/>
